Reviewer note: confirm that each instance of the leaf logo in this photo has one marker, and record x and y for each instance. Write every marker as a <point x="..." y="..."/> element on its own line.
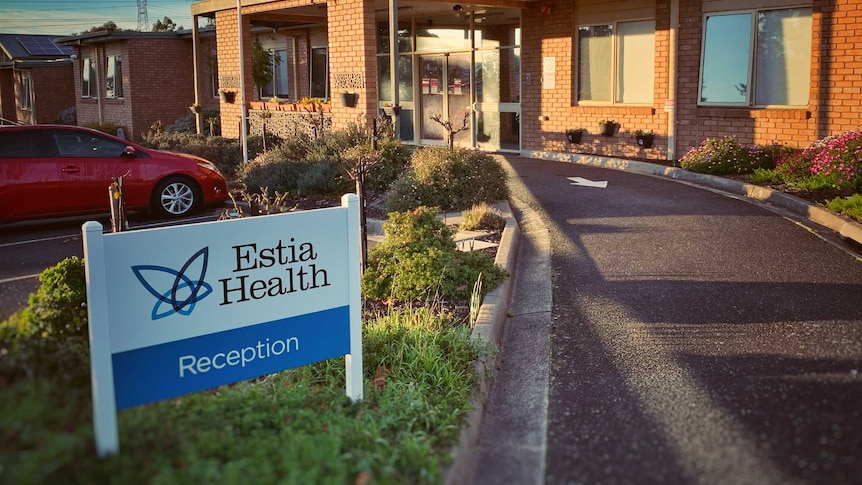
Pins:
<point x="175" y="291"/>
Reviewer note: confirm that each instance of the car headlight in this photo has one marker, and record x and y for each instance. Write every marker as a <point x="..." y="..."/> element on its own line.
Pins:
<point x="209" y="166"/>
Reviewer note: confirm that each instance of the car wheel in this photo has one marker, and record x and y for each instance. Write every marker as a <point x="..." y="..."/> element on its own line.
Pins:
<point x="175" y="197"/>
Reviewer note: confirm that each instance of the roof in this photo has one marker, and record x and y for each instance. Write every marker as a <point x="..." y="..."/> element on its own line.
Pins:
<point x="104" y="36"/>
<point x="22" y="47"/>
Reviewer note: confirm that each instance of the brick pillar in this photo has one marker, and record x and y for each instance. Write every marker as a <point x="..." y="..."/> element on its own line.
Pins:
<point x="227" y="45"/>
<point x="352" y="59"/>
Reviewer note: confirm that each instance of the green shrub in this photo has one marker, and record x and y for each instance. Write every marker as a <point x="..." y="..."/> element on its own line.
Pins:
<point x="321" y="178"/>
<point x="418" y="259"/>
<point x="393" y="160"/>
<point x="482" y="217"/>
<point x="106" y="127"/>
<point x="225" y="153"/>
<point x="50" y="336"/>
<point x="849" y="206"/>
<point x="725" y="156"/>
<point x="68" y="116"/>
<point x="186" y="123"/>
<point x="765" y="176"/>
<point x="795" y="165"/>
<point x="449" y="179"/>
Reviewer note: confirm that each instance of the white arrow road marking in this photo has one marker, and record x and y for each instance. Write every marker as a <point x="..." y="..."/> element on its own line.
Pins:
<point x="602" y="184"/>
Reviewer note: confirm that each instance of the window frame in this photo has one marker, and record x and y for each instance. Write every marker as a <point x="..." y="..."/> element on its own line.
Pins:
<point x="89" y="74"/>
<point x="114" y="70"/>
<point x="25" y="94"/>
<point x="311" y="72"/>
<point x="751" y="97"/>
<point x="615" y="72"/>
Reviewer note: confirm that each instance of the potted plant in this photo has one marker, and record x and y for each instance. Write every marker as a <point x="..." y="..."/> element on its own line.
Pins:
<point x="349" y="99"/>
<point x="644" y="138"/>
<point x="607" y="127"/>
<point x="574" y="135"/>
<point x="391" y="111"/>
<point x="226" y="95"/>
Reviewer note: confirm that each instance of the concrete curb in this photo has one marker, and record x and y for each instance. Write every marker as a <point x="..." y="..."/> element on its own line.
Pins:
<point x="489" y="330"/>
<point x="845" y="227"/>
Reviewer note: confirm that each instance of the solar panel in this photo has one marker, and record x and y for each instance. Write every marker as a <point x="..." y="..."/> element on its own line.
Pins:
<point x="41" y="46"/>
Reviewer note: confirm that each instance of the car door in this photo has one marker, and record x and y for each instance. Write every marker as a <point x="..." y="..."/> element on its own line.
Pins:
<point x="29" y="175"/>
<point x="89" y="162"/>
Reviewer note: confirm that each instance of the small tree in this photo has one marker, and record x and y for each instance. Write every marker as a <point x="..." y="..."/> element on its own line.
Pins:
<point x="262" y="63"/>
<point x="164" y="25"/>
<point x="451" y="131"/>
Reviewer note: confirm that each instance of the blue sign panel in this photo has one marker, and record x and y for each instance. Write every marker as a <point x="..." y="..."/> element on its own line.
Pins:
<point x="175" y="368"/>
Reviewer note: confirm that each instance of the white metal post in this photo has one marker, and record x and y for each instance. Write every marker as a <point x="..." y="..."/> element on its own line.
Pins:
<point x="243" y="128"/>
<point x="101" y="368"/>
<point x="353" y="361"/>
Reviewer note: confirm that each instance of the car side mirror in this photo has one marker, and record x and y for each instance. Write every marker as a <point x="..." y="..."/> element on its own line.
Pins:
<point x="130" y="152"/>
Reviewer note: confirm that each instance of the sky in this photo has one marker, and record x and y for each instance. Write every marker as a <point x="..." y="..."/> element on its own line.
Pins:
<point x="68" y="17"/>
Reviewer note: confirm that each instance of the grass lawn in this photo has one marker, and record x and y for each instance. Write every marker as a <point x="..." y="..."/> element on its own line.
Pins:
<point x="296" y="426"/>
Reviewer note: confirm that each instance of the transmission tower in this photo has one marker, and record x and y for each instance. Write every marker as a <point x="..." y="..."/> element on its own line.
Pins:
<point x="143" y="19"/>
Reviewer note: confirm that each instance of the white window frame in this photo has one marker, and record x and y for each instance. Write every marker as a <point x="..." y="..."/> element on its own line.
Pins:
<point x="751" y="81"/>
<point x="114" y="70"/>
<point x="89" y="71"/>
<point x="25" y="95"/>
<point x="616" y="68"/>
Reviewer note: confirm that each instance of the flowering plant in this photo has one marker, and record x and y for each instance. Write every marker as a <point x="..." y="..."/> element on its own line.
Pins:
<point x="718" y="156"/>
<point x="840" y="161"/>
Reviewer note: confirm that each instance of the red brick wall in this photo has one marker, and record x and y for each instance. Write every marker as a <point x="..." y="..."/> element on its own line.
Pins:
<point x="749" y="125"/>
<point x="836" y="84"/>
<point x="206" y="64"/>
<point x="836" y="66"/>
<point x="353" y="52"/>
<point x="7" y="95"/>
<point x="158" y="84"/>
<point x="547" y="113"/>
<point x="53" y="90"/>
<point x="88" y="108"/>
<point x="229" y="72"/>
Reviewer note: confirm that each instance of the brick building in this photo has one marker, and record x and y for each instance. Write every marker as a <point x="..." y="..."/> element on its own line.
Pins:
<point x="765" y="71"/>
<point x="36" y="82"/>
<point x="133" y="79"/>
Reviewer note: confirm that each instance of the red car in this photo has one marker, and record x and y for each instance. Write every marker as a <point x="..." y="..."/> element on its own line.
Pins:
<point x="50" y="171"/>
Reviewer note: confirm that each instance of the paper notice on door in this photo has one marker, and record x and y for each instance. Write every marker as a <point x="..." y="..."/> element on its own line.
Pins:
<point x="549" y="73"/>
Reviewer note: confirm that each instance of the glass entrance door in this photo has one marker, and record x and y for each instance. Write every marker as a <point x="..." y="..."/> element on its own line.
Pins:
<point x="445" y="91"/>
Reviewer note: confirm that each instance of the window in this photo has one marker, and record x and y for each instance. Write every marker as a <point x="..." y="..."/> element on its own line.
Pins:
<point x="213" y="64"/>
<point x="768" y="49"/>
<point x="616" y="62"/>
<point x="319" y="73"/>
<point x="25" y="93"/>
<point x="75" y="144"/>
<point x="88" y="77"/>
<point x="114" y="77"/>
<point x="278" y="85"/>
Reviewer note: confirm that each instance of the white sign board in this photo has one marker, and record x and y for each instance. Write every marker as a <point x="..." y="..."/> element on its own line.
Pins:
<point x="186" y="308"/>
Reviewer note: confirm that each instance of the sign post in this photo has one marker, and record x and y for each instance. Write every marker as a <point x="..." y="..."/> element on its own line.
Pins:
<point x="186" y="308"/>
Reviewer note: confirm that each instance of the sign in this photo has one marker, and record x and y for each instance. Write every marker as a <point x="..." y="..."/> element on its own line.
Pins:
<point x="549" y="73"/>
<point x="185" y="308"/>
<point x="582" y="182"/>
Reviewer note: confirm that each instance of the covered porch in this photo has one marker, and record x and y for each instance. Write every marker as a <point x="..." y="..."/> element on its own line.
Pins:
<point x="455" y="62"/>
